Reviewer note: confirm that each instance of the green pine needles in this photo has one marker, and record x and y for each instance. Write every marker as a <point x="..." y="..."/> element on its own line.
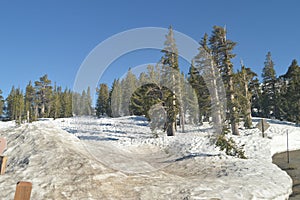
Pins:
<point x="229" y="146"/>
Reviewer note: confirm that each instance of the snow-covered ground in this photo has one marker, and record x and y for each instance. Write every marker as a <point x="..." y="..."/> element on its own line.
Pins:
<point x="87" y="158"/>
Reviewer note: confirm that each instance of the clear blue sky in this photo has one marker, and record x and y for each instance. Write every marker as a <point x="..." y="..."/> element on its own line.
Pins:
<point x="54" y="37"/>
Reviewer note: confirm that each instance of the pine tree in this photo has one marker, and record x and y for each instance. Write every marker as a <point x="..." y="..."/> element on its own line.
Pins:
<point x="137" y="102"/>
<point x="283" y="83"/>
<point x="18" y="103"/>
<point x="102" y="105"/>
<point x="82" y="103"/>
<point x="143" y="79"/>
<point x="291" y="103"/>
<point x="150" y="97"/>
<point x="44" y="91"/>
<point x="243" y="82"/>
<point x="76" y="102"/>
<point x="206" y="67"/>
<point x="221" y="49"/>
<point x="203" y="96"/>
<point x="15" y="105"/>
<point x="129" y="85"/>
<point x="10" y="104"/>
<point x="281" y="100"/>
<point x="56" y="111"/>
<point x="115" y="99"/>
<point x="89" y="102"/>
<point x="67" y="103"/>
<point x="154" y="74"/>
<point x="171" y="77"/>
<point x="180" y="95"/>
<point x="1" y="103"/>
<point x="256" y="101"/>
<point x="190" y="101"/>
<point x="85" y="102"/>
<point x="268" y="88"/>
<point x="29" y="102"/>
<point x="144" y="98"/>
<point x="292" y="70"/>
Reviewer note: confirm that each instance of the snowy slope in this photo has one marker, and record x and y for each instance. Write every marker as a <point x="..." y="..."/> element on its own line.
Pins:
<point x="86" y="158"/>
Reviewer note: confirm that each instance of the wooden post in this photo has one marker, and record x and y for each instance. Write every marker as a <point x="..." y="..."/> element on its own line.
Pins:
<point x="2" y="145"/>
<point x="263" y="125"/>
<point x="3" y="160"/>
<point x="23" y="191"/>
<point x="262" y="128"/>
<point x="287" y="146"/>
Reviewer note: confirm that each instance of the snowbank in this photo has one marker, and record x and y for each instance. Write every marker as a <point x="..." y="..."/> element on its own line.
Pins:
<point x="86" y="158"/>
<point x="54" y="161"/>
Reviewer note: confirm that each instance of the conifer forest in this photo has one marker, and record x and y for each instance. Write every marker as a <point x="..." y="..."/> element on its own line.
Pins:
<point x="187" y="99"/>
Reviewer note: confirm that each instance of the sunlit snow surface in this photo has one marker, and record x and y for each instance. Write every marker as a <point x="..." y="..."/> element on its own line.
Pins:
<point x="88" y="158"/>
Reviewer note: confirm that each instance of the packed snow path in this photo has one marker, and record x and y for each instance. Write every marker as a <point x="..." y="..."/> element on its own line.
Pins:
<point x="129" y="164"/>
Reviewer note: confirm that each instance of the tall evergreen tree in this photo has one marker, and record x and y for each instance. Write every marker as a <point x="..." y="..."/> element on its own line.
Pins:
<point x="268" y="88"/>
<point x="283" y="83"/>
<point x="206" y="67"/>
<point x="44" y="91"/>
<point x="190" y="101"/>
<point x="102" y="105"/>
<point x="56" y="111"/>
<point x="143" y="79"/>
<point x="171" y="77"/>
<point x="243" y="82"/>
<point x="291" y="103"/>
<point x="203" y="96"/>
<point x="76" y="102"/>
<point x="15" y="105"/>
<point x="221" y="49"/>
<point x="29" y="102"/>
<point x="1" y="103"/>
<point x="148" y="96"/>
<point x="256" y="101"/>
<point x="129" y="85"/>
<point x="18" y="106"/>
<point x="282" y="104"/>
<point x="82" y="103"/>
<point x="115" y="98"/>
<point x="10" y="110"/>
<point x="67" y="103"/>
<point x="87" y="102"/>
<point x="154" y="74"/>
<point x="144" y="98"/>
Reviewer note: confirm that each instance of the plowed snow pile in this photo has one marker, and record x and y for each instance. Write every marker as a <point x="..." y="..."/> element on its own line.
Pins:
<point x="119" y="159"/>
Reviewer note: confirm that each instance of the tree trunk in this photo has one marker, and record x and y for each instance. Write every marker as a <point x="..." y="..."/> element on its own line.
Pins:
<point x="36" y="112"/>
<point x="181" y="111"/>
<point x="49" y="110"/>
<point x="248" y="118"/>
<point x="43" y="110"/>
<point x="182" y="120"/>
<point x="28" y="116"/>
<point x="215" y="99"/>
<point x="170" y="128"/>
<point x="232" y="109"/>
<point x="20" y="117"/>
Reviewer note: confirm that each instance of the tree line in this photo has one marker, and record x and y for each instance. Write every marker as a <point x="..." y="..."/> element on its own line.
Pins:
<point x="165" y="93"/>
<point x="190" y="98"/>
<point x="42" y="99"/>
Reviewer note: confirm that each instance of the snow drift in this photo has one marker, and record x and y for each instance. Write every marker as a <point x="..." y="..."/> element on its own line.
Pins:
<point x="119" y="159"/>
